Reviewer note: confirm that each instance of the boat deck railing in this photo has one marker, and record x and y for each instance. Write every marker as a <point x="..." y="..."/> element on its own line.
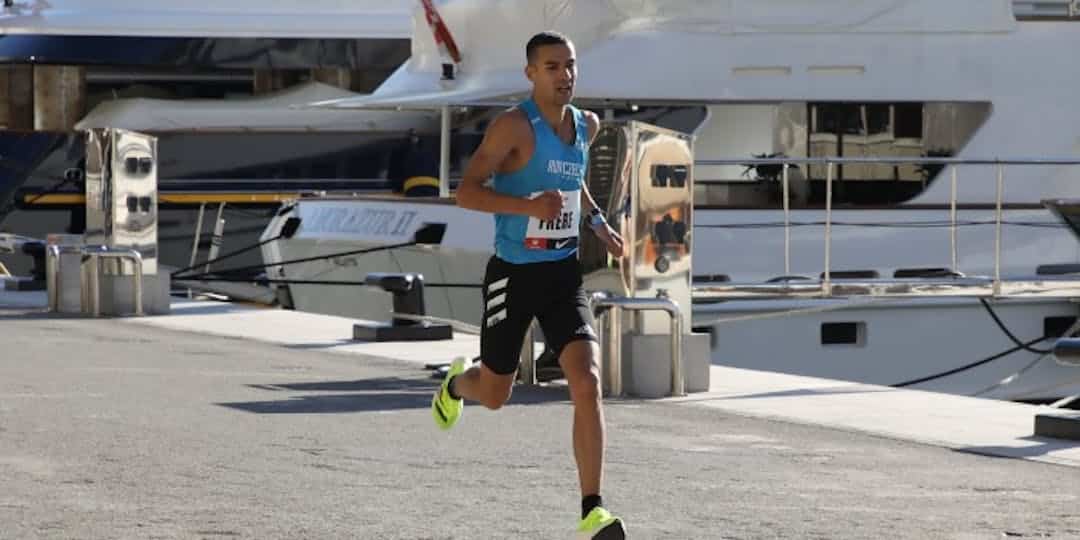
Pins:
<point x="956" y="284"/>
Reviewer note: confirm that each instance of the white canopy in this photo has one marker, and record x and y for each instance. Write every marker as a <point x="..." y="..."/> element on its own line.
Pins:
<point x="681" y="49"/>
<point x="264" y="113"/>
<point x="223" y="18"/>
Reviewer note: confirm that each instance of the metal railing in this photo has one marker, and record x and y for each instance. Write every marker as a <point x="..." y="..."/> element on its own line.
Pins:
<point x="611" y="338"/>
<point x="826" y="286"/>
<point x="92" y="267"/>
<point x="90" y="275"/>
<point x="1046" y="9"/>
<point x="1067" y="351"/>
<point x="52" y="271"/>
<point x="527" y="369"/>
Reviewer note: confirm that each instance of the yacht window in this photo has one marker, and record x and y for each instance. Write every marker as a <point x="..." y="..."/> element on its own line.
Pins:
<point x="843" y="333"/>
<point x="829" y="129"/>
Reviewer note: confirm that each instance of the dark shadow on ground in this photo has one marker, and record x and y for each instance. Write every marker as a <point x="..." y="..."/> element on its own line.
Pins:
<point x="1045" y="446"/>
<point x="214" y="309"/>
<point x="380" y="384"/>
<point x="800" y="392"/>
<point x="326" y="345"/>
<point x="370" y="395"/>
<point x="20" y="314"/>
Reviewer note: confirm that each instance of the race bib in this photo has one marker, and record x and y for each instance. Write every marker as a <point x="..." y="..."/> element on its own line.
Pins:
<point x="560" y="233"/>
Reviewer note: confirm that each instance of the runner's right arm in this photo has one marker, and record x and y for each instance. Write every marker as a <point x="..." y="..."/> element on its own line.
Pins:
<point x="501" y="138"/>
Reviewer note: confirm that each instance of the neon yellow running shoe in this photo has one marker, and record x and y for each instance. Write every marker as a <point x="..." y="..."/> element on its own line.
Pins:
<point x="445" y="409"/>
<point x="601" y="525"/>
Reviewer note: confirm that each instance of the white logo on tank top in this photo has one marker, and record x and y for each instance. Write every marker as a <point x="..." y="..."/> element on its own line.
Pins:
<point x="565" y="168"/>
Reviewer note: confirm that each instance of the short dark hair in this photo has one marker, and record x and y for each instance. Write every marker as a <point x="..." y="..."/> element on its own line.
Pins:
<point x="543" y="38"/>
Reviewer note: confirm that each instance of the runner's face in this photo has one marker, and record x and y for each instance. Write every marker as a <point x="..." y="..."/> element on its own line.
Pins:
<point x="553" y="73"/>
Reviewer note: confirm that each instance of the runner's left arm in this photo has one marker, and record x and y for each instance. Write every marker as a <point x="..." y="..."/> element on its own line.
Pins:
<point x="604" y="231"/>
<point x="587" y="201"/>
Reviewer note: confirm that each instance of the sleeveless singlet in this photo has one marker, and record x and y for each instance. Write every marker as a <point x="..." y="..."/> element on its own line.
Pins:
<point x="521" y="239"/>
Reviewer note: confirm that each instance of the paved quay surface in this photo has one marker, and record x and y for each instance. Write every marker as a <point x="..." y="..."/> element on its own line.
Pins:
<point x="116" y="428"/>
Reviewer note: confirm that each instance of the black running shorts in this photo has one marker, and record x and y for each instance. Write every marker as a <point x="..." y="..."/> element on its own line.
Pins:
<point x="514" y="294"/>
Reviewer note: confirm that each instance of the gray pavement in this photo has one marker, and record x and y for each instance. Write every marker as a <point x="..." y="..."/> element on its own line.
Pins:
<point x="111" y="430"/>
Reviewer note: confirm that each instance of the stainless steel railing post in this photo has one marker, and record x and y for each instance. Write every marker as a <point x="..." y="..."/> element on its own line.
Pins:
<point x="91" y="286"/>
<point x="611" y="356"/>
<point x="52" y="280"/>
<point x="611" y="363"/>
<point x="527" y="368"/>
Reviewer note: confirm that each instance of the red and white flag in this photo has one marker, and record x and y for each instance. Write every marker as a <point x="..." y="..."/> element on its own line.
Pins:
<point x="443" y="39"/>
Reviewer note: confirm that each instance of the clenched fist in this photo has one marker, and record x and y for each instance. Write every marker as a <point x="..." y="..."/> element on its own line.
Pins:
<point x="547" y="206"/>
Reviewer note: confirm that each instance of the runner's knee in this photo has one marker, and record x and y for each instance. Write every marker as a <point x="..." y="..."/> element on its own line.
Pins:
<point x="581" y="371"/>
<point x="585" y="386"/>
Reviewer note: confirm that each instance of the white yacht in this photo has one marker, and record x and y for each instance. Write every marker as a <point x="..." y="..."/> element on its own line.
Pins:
<point x="967" y="79"/>
<point x="214" y="83"/>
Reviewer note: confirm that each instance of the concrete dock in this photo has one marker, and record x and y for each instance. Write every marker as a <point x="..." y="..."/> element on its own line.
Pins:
<point x="230" y="421"/>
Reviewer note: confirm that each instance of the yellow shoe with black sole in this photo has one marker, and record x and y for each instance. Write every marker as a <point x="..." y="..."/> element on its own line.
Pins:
<point x="445" y="409"/>
<point x="601" y="525"/>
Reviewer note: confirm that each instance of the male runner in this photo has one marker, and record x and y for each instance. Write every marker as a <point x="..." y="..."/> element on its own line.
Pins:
<point x="537" y="152"/>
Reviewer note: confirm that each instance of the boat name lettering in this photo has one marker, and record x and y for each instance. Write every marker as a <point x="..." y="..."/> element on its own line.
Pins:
<point x="371" y="221"/>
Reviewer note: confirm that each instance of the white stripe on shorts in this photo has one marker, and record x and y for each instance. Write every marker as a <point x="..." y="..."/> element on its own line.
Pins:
<point x="496" y="302"/>
<point x="497" y="285"/>
<point x="495" y="318"/>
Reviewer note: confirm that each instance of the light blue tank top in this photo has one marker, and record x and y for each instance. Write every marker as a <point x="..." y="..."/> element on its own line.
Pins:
<point x="521" y="239"/>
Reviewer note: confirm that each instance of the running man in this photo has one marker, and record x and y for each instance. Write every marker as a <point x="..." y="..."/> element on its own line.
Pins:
<point x="537" y="152"/>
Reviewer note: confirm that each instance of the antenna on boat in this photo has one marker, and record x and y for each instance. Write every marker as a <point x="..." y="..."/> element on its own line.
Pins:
<point x="443" y="39"/>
